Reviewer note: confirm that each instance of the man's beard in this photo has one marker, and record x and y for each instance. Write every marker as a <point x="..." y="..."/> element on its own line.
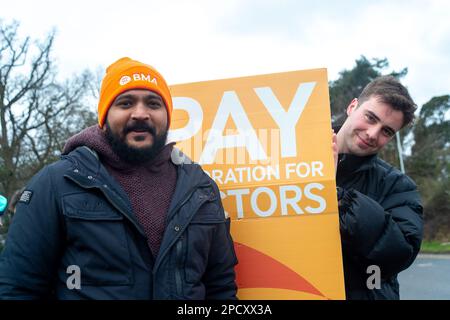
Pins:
<point x="131" y="155"/>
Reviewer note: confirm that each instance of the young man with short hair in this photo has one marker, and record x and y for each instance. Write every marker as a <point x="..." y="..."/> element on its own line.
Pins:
<point x="380" y="209"/>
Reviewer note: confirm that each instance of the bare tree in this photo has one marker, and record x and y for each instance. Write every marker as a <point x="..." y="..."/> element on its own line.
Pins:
<point x="37" y="113"/>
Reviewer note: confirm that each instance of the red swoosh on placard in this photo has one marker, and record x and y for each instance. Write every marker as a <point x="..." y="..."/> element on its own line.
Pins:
<point x="258" y="270"/>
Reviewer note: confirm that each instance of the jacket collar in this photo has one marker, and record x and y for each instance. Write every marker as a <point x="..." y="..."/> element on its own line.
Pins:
<point x="350" y="163"/>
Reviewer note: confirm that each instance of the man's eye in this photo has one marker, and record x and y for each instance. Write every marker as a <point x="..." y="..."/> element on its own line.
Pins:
<point x="388" y="133"/>
<point x="154" y="104"/>
<point x="370" y="118"/>
<point x="124" y="104"/>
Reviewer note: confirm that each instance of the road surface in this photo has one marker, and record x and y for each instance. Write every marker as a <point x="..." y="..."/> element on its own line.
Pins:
<point x="428" y="278"/>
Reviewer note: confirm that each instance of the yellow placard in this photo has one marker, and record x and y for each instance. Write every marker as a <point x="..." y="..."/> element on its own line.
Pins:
<point x="266" y="142"/>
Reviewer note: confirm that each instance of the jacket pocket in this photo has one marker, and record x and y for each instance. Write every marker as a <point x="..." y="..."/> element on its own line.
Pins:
<point x="199" y="236"/>
<point x="96" y="240"/>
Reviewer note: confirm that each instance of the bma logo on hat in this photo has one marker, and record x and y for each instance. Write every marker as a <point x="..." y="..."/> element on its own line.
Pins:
<point x="124" y="80"/>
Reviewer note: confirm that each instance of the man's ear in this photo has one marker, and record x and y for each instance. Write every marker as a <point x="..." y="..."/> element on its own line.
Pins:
<point x="352" y="106"/>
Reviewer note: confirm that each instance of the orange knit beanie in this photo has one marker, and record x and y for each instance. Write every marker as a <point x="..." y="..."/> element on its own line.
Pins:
<point x="127" y="74"/>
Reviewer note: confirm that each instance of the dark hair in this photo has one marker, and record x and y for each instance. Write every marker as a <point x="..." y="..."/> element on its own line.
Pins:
<point x="390" y="91"/>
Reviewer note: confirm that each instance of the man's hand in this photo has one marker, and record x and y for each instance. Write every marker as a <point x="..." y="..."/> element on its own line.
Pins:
<point x="335" y="148"/>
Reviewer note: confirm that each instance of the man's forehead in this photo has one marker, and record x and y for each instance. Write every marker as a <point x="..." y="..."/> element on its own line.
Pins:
<point x="139" y="93"/>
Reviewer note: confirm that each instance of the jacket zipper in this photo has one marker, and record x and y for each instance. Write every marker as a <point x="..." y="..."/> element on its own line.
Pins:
<point x="180" y="231"/>
<point x="178" y="280"/>
<point x="179" y="267"/>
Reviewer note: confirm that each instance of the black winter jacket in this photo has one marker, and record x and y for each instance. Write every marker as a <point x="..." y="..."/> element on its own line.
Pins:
<point x="79" y="215"/>
<point x="380" y="222"/>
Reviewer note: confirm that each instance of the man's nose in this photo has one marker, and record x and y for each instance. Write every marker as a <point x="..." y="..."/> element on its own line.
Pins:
<point x="373" y="132"/>
<point x="140" y="112"/>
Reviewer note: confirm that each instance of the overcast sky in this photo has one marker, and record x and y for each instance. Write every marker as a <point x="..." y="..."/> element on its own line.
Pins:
<point x="200" y="40"/>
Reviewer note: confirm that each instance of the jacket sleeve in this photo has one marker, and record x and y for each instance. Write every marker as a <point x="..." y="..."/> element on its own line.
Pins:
<point x="220" y="276"/>
<point x="387" y="234"/>
<point x="28" y="262"/>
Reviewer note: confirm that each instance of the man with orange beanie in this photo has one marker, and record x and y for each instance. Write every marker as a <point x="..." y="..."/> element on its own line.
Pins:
<point x="121" y="216"/>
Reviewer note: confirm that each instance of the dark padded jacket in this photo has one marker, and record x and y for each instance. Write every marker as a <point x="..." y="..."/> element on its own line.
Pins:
<point x="380" y="222"/>
<point x="79" y="215"/>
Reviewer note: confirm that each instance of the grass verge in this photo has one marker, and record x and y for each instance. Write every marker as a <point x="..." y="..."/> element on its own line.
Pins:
<point x="435" y="247"/>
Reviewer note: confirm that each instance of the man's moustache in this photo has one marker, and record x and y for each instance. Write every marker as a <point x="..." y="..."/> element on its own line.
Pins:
<point x="144" y="127"/>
